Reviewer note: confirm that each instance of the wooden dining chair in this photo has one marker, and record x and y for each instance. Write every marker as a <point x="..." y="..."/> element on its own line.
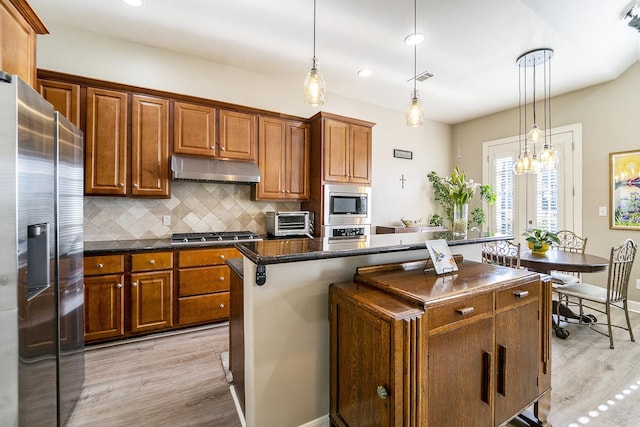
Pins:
<point x="502" y="253"/>
<point x="614" y="295"/>
<point x="569" y="242"/>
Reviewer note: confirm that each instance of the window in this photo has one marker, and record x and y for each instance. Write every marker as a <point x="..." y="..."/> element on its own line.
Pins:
<point x="550" y="200"/>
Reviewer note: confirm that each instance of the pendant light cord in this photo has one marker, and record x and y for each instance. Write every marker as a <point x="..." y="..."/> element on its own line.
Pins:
<point x="314" y="32"/>
<point x="415" y="46"/>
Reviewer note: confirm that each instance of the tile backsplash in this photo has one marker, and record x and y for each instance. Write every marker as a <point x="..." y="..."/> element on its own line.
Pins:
<point x="193" y="206"/>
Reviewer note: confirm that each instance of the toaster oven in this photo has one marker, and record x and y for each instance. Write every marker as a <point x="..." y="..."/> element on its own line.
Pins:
<point x="290" y="223"/>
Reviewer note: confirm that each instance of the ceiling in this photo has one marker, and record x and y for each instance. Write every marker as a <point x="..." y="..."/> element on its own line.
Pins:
<point x="471" y="46"/>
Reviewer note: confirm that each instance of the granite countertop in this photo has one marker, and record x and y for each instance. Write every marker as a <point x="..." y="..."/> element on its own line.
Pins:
<point x="144" y="245"/>
<point x="295" y="250"/>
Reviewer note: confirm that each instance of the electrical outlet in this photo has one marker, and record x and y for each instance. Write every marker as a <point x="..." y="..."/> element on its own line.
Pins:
<point x="166" y="219"/>
<point x="602" y="210"/>
<point x="637" y="283"/>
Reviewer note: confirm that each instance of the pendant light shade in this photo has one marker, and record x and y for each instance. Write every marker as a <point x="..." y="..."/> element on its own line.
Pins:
<point x="415" y="113"/>
<point x="548" y="159"/>
<point x="314" y="86"/>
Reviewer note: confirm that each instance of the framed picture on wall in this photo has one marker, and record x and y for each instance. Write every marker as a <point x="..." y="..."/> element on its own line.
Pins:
<point x="624" y="189"/>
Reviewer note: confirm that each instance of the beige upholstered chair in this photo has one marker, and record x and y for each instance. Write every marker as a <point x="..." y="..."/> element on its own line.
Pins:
<point x="569" y="242"/>
<point x="502" y="253"/>
<point x="614" y="295"/>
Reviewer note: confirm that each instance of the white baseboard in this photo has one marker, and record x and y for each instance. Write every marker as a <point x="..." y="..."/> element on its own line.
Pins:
<point x="232" y="389"/>
<point x="318" y="422"/>
<point x="634" y="306"/>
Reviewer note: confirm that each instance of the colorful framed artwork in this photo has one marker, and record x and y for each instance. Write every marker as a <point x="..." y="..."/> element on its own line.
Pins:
<point x="624" y="189"/>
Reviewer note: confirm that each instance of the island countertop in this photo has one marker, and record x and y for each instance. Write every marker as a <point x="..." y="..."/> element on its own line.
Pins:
<point x="295" y="250"/>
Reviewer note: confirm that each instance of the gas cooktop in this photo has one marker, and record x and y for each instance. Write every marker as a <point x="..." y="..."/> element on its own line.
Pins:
<point x="212" y="237"/>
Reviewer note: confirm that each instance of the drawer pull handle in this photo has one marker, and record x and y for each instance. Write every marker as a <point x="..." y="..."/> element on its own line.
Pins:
<point x="464" y="311"/>
<point x="100" y="265"/>
<point x="521" y="294"/>
<point x="134" y="284"/>
<point x="221" y="278"/>
<point x="221" y="305"/>
<point x="152" y="262"/>
<point x="118" y="285"/>
<point x="382" y="392"/>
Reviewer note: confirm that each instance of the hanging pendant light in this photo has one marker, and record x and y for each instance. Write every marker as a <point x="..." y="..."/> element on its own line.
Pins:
<point x="415" y="113"/>
<point x="314" y="86"/>
<point x="527" y="162"/>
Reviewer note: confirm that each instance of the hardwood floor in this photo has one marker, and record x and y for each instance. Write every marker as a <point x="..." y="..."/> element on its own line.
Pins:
<point x="179" y="381"/>
<point x="174" y="380"/>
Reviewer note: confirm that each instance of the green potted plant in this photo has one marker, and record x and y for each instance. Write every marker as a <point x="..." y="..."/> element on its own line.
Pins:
<point x="539" y="240"/>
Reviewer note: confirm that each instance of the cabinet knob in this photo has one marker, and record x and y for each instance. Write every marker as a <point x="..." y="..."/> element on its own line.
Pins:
<point x="135" y="185"/>
<point x="221" y="256"/>
<point x="118" y="285"/>
<point x="213" y="147"/>
<point x="382" y="392"/>
<point x="221" y="278"/>
<point x="152" y="262"/>
<point x="121" y="184"/>
<point x="221" y="148"/>
<point x="221" y="305"/>
<point x="282" y="191"/>
<point x="100" y="265"/>
<point x="134" y="284"/>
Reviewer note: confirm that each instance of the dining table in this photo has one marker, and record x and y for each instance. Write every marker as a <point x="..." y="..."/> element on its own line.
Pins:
<point x="566" y="261"/>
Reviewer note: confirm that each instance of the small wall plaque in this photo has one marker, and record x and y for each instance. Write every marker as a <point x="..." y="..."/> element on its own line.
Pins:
<point x="403" y="154"/>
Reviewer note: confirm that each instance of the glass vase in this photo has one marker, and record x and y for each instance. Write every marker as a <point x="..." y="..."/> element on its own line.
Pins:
<point x="460" y="220"/>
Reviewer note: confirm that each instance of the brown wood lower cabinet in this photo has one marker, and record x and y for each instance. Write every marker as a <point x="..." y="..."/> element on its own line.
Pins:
<point x="103" y="297"/>
<point x="466" y="349"/>
<point x="203" y="285"/>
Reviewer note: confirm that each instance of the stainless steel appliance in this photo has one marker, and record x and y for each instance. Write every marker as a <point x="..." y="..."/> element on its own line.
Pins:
<point x="347" y="210"/>
<point x="214" y="170"/>
<point x="289" y="223"/>
<point x="41" y="276"/>
<point x="213" y="238"/>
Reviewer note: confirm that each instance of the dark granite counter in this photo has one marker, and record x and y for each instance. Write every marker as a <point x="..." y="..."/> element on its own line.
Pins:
<point x="237" y="266"/>
<point x="94" y="248"/>
<point x="295" y="250"/>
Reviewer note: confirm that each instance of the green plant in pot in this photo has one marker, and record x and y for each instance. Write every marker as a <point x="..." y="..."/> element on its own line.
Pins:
<point x="539" y="240"/>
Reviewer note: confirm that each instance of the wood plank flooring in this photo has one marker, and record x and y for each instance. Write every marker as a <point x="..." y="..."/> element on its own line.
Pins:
<point x="179" y="381"/>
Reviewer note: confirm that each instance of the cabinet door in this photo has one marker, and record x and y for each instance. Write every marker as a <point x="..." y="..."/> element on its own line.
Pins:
<point x="149" y="146"/>
<point x="18" y="29"/>
<point x="271" y="159"/>
<point x="106" y="142"/>
<point x="517" y="350"/>
<point x="237" y="136"/>
<point x="460" y="373"/>
<point x="360" y="155"/>
<point x="151" y="301"/>
<point x="194" y="129"/>
<point x="336" y="151"/>
<point x="103" y="307"/>
<point x="65" y="97"/>
<point x="297" y="161"/>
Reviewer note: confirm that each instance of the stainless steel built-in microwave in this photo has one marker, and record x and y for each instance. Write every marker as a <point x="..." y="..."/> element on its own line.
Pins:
<point x="347" y="205"/>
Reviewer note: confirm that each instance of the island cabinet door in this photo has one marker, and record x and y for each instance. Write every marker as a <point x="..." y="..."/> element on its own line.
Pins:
<point x="517" y="350"/>
<point x="460" y="363"/>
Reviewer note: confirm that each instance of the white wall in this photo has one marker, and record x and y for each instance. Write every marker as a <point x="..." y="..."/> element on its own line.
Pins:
<point x="91" y="55"/>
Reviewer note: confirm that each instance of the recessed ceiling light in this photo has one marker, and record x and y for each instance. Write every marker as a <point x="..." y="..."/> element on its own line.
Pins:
<point x="135" y="3"/>
<point x="365" y="72"/>
<point x="413" y="39"/>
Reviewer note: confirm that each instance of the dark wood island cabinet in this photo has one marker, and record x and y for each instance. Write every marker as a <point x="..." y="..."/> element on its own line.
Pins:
<point x="409" y="347"/>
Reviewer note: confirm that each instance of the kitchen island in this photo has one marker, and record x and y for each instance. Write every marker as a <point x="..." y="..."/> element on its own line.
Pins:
<point x="286" y="318"/>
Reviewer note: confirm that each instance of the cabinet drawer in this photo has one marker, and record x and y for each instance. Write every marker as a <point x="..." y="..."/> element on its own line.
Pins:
<point x="459" y="310"/>
<point x="517" y="295"/>
<point x="203" y="308"/>
<point x="202" y="257"/>
<point x="103" y="264"/>
<point x="197" y="281"/>
<point x="151" y="261"/>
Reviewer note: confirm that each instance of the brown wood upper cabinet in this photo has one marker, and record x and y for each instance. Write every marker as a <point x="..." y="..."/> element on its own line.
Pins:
<point x="194" y="129"/>
<point x="19" y="26"/>
<point x="195" y="132"/>
<point x="65" y="97"/>
<point x="108" y="170"/>
<point x="283" y="159"/>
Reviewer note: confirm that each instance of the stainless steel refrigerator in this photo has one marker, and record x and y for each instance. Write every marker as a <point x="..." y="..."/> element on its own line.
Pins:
<point x="41" y="275"/>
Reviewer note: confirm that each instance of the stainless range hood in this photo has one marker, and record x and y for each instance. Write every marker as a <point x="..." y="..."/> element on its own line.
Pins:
<point x="214" y="170"/>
